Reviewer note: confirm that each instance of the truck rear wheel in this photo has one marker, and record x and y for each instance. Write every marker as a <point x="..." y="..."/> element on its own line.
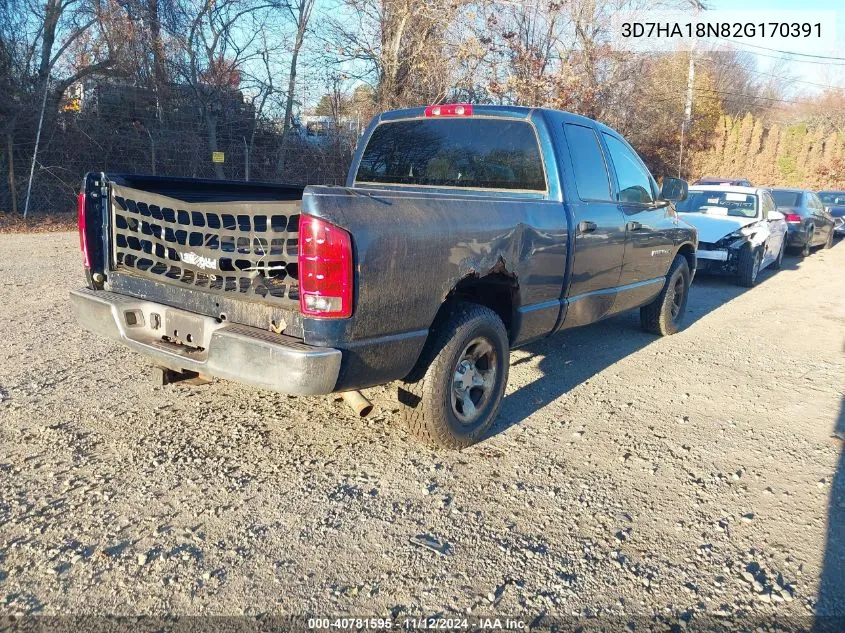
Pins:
<point x="453" y="396"/>
<point x="664" y="315"/>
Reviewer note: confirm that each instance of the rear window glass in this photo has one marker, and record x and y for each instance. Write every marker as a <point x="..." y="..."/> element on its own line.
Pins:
<point x="787" y="198"/>
<point x="461" y="152"/>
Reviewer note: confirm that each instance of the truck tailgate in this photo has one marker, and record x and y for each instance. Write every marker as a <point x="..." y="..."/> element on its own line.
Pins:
<point x="245" y="250"/>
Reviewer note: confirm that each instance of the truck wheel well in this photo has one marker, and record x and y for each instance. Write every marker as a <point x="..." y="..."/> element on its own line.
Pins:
<point x="495" y="291"/>
<point x="688" y="252"/>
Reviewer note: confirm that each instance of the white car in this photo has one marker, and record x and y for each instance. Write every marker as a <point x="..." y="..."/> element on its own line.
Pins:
<point x="739" y="230"/>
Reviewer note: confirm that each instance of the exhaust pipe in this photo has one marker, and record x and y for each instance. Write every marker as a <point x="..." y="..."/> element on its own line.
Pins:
<point x="358" y="402"/>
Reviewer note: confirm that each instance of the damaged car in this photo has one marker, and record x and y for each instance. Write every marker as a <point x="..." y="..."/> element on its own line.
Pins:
<point x="740" y="232"/>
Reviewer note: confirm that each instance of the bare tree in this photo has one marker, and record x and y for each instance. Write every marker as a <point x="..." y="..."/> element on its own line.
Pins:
<point x="300" y="15"/>
<point x="397" y="46"/>
<point x="215" y="42"/>
<point x="46" y="48"/>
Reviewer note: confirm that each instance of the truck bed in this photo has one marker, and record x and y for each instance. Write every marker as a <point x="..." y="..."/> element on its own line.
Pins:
<point x="226" y="249"/>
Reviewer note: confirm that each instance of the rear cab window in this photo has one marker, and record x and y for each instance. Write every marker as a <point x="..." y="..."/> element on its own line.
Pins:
<point x="467" y="153"/>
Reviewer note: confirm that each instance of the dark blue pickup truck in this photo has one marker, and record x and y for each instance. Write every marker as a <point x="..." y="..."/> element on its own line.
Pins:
<point x="463" y="231"/>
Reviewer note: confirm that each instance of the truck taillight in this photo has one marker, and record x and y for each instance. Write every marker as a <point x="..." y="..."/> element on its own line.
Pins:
<point x="449" y="109"/>
<point x="325" y="269"/>
<point x="792" y="217"/>
<point x="83" y="236"/>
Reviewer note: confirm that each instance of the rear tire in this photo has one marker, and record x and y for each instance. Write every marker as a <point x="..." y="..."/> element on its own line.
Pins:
<point x="664" y="315"/>
<point x="453" y="396"/>
<point x="749" y="266"/>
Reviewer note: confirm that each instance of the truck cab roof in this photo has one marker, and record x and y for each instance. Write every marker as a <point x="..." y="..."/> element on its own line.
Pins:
<point x="498" y="111"/>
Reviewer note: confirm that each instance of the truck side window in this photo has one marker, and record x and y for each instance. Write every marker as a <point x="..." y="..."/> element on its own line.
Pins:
<point x="591" y="178"/>
<point x="633" y="177"/>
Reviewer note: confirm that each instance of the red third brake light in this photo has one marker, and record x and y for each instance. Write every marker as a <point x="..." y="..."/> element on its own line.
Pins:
<point x="325" y="269"/>
<point x="83" y="236"/>
<point x="449" y="109"/>
<point x="791" y="217"/>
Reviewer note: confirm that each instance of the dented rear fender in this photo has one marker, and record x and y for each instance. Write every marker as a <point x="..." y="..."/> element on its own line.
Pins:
<point x="412" y="248"/>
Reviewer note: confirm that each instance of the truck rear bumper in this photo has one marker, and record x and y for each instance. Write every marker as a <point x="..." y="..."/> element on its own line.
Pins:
<point x="183" y="340"/>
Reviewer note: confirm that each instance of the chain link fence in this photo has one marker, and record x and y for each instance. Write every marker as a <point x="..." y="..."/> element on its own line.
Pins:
<point x="125" y="129"/>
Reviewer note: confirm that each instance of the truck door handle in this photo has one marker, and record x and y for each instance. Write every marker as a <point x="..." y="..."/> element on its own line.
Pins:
<point x="633" y="226"/>
<point x="586" y="226"/>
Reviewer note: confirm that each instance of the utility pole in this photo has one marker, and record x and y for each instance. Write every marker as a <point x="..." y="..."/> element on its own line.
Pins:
<point x="687" y="120"/>
<point x="697" y="6"/>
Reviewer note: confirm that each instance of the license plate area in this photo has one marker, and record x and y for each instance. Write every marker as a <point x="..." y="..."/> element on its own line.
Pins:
<point x="719" y="256"/>
<point x="186" y="329"/>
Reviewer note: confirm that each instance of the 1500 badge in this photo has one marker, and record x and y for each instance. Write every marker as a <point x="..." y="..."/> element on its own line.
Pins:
<point x="198" y="260"/>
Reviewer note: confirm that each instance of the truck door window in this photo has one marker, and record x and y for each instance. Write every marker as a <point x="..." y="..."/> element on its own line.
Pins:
<point x="591" y="178"/>
<point x="633" y="177"/>
<point x="472" y="153"/>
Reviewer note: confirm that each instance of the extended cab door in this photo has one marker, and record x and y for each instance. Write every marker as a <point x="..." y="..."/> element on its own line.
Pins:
<point x="599" y="229"/>
<point x="649" y="247"/>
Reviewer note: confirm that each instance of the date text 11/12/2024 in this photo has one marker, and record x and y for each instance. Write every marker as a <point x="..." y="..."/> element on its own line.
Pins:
<point x="417" y="624"/>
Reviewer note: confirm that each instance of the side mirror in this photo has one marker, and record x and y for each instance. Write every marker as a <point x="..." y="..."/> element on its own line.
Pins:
<point x="776" y="215"/>
<point x="674" y="189"/>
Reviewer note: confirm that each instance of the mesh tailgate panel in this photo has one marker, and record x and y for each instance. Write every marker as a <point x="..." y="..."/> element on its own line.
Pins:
<point x="247" y="249"/>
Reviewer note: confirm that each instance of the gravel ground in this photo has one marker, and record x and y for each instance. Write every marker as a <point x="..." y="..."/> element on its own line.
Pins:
<point x="695" y="475"/>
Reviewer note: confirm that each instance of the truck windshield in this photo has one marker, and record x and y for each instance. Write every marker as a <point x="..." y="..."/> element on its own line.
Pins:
<point x="473" y="153"/>
<point x="715" y="202"/>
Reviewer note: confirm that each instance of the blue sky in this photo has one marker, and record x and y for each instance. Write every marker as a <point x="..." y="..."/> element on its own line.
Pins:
<point x="819" y="73"/>
<point x="803" y="77"/>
